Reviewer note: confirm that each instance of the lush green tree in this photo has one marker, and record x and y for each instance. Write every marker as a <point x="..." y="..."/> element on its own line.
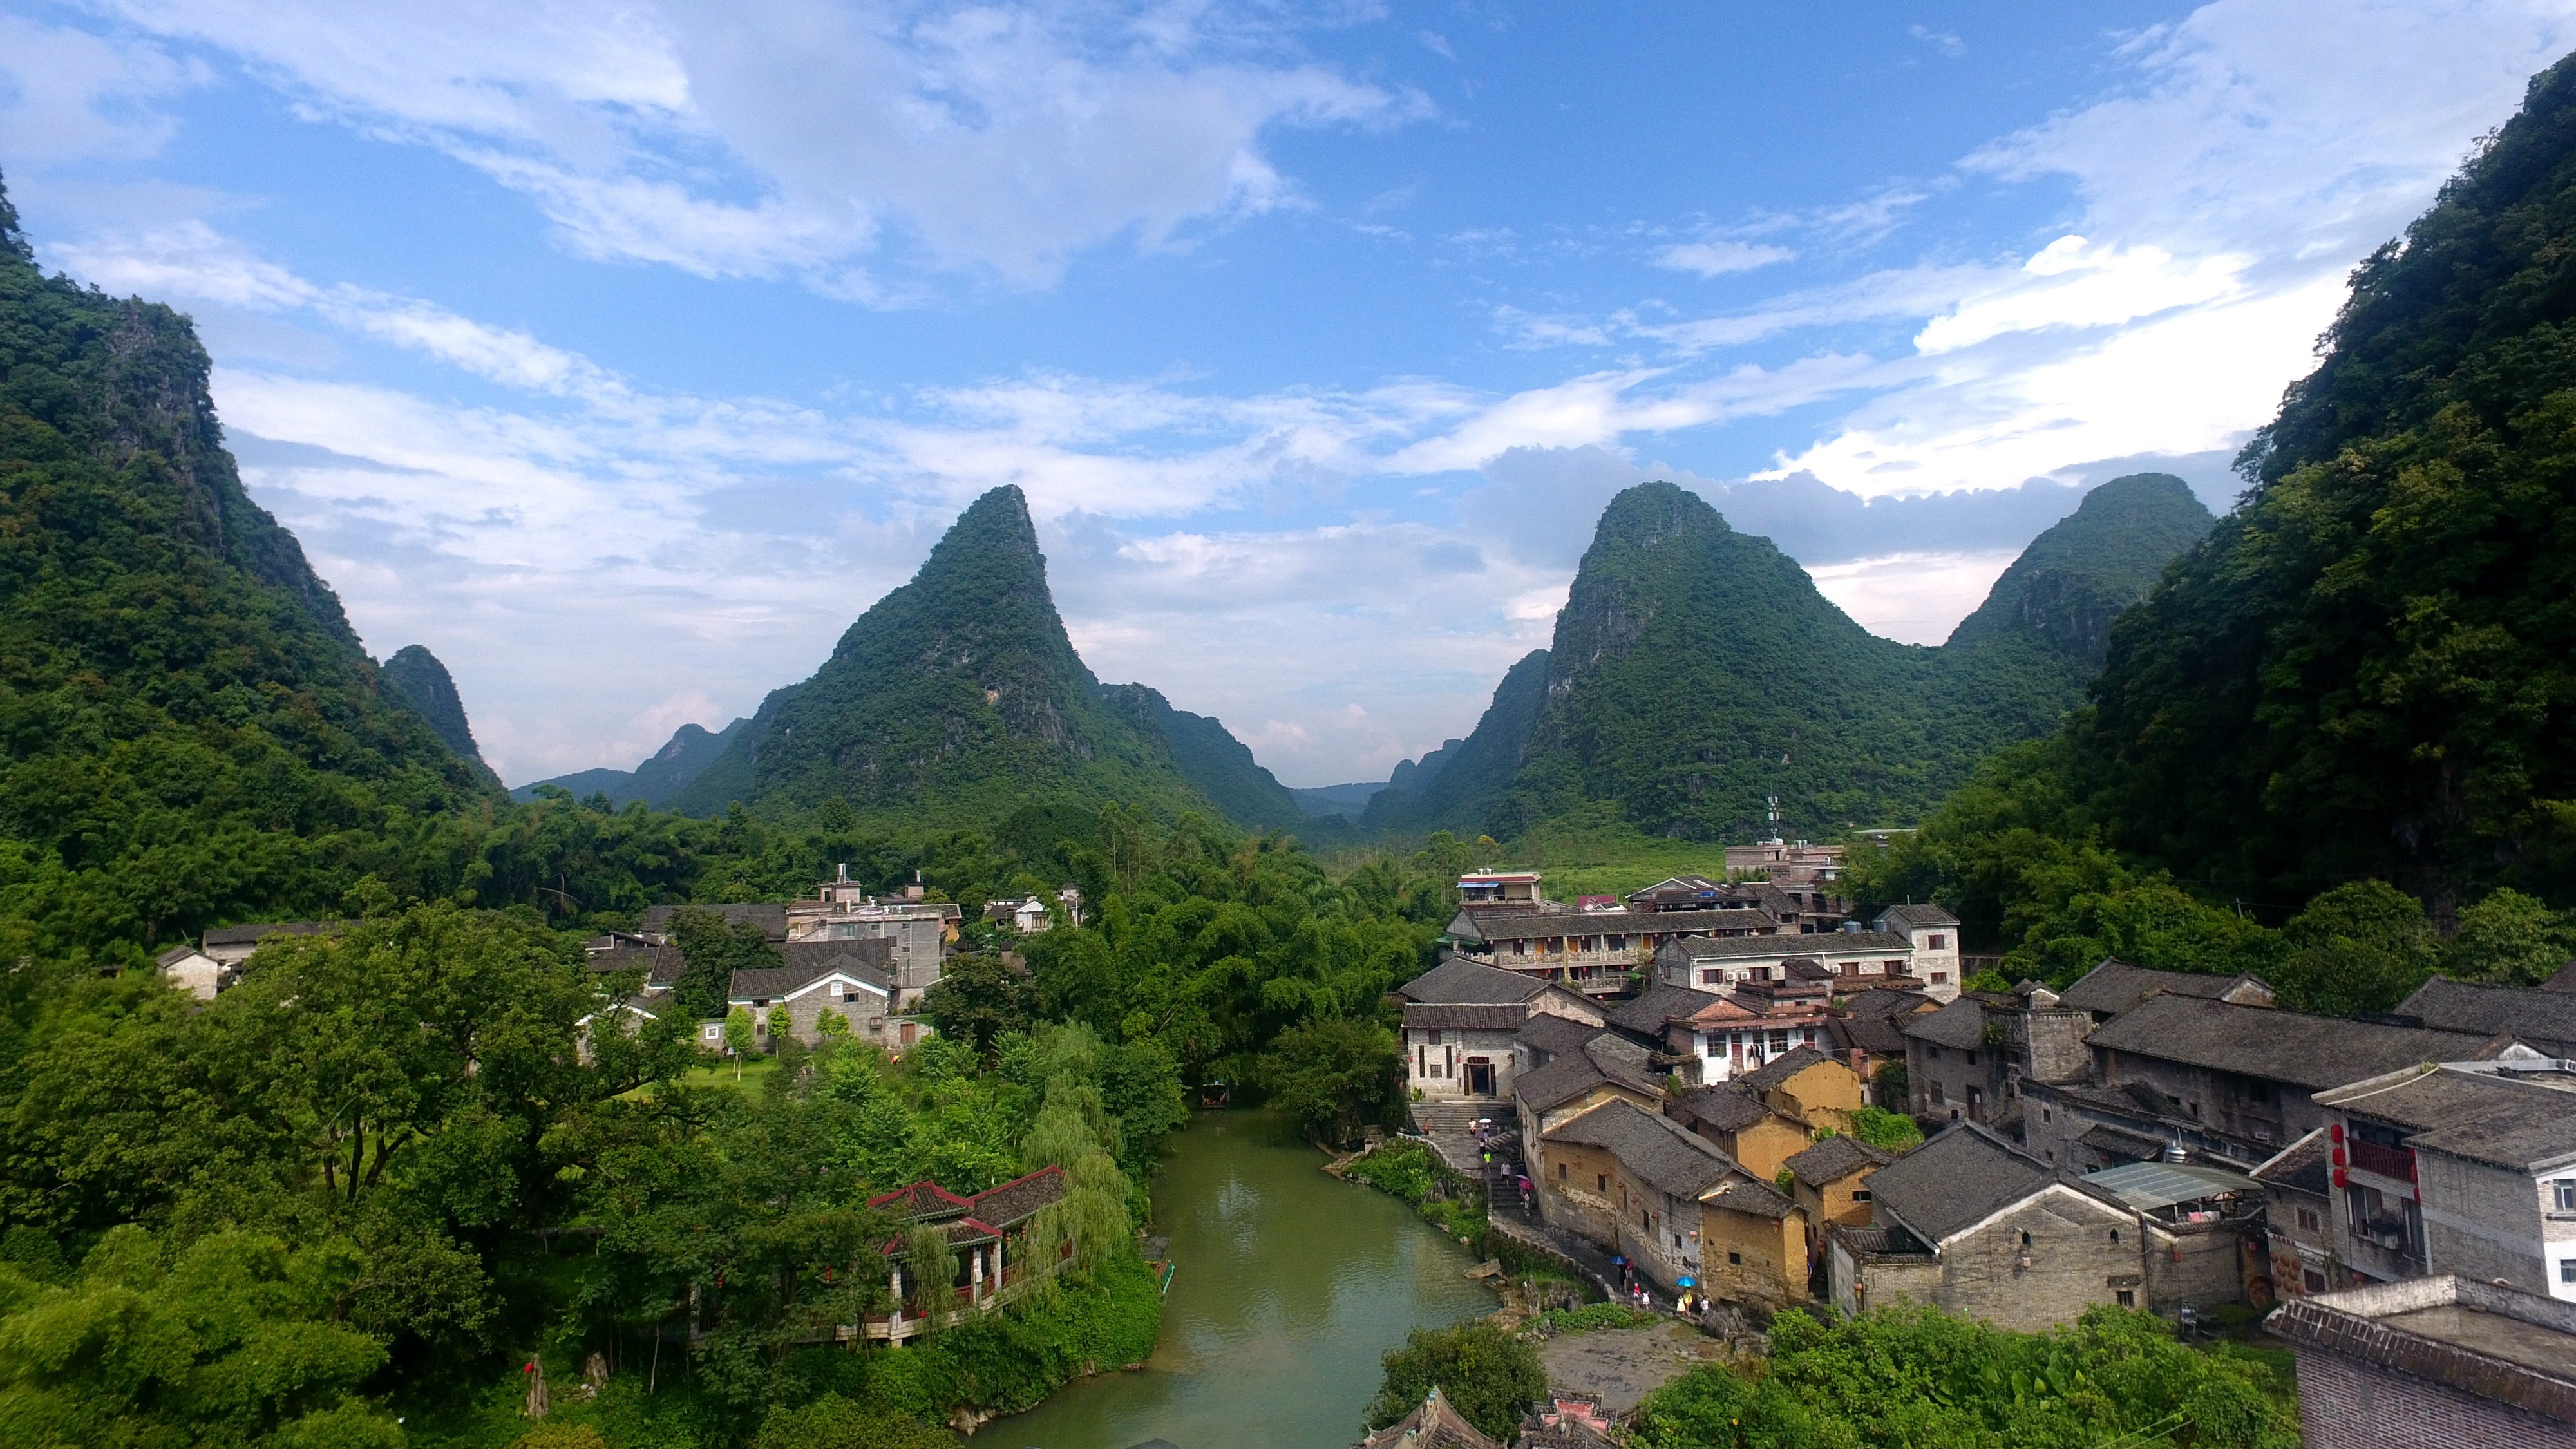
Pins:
<point x="1880" y="1127"/>
<point x="712" y="950"/>
<point x="1488" y="1375"/>
<point x="2358" y="947"/>
<point x="833" y="1422"/>
<point x="979" y="997"/>
<point x="1335" y="1076"/>
<point x="2510" y="939"/>
<point x="742" y="1036"/>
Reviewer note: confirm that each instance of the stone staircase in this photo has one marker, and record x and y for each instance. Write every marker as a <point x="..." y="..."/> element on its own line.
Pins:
<point x="1435" y="1119"/>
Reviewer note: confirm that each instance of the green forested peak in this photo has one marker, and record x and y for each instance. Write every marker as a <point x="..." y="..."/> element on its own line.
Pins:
<point x="2078" y="576"/>
<point x="1646" y="514"/>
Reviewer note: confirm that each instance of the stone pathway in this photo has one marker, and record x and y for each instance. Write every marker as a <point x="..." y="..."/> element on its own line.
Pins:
<point x="1623" y="1365"/>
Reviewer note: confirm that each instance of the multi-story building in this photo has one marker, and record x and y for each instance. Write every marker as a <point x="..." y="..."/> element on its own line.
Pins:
<point x="919" y="931"/>
<point x="2464" y="1167"/>
<point x="2444" y="1361"/>
<point x="1461" y="1023"/>
<point x="1970" y="1060"/>
<point x="1596" y="952"/>
<point x="1858" y="959"/>
<point x="2298" y="1211"/>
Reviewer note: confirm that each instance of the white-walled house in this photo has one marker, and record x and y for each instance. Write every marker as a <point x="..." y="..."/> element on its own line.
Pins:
<point x="1460" y="1024"/>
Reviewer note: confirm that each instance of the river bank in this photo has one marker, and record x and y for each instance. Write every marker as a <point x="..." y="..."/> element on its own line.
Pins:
<point x="1289" y="1287"/>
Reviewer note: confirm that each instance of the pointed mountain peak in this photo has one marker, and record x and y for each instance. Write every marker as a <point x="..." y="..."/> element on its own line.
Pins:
<point x="2077" y="577"/>
<point x="1646" y="514"/>
<point x="418" y="682"/>
<point x="995" y="535"/>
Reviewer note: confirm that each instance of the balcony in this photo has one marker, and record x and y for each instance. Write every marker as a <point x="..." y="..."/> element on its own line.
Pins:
<point x="2397" y="1164"/>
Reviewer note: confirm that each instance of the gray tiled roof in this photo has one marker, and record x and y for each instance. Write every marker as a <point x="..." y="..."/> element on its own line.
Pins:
<point x="1554" y="1035"/>
<point x="2483" y="1116"/>
<point x="1960" y="1024"/>
<point x="1782" y="1067"/>
<point x="769" y="916"/>
<point x="1605" y="1058"/>
<point x="1726" y="1107"/>
<point x="1814" y="943"/>
<point x="1756" y="1199"/>
<point x="2532" y="1014"/>
<point x="1881" y="1001"/>
<point x="1956" y="1179"/>
<point x="2314" y="1052"/>
<point x="1836" y="1158"/>
<point x="2301" y="1167"/>
<point x="258" y="931"/>
<point x="661" y="965"/>
<point x="872" y="951"/>
<point x="2115" y="986"/>
<point x="1660" y="1154"/>
<point x="1464" y="1016"/>
<point x="1660" y="1003"/>
<point x="1918" y="918"/>
<point x="774" y="983"/>
<point x="1458" y="981"/>
<point x="173" y="956"/>
<point x="1880" y="1036"/>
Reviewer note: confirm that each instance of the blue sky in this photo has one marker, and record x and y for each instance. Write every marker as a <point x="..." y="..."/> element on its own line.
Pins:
<point x="622" y="352"/>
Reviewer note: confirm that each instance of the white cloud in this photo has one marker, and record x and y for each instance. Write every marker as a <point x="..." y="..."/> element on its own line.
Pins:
<point x="1717" y="258"/>
<point x="1912" y="598"/>
<point x="842" y="143"/>
<point x="67" y="95"/>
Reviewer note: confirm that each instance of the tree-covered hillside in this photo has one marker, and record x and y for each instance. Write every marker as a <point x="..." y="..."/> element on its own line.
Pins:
<point x="1696" y="672"/>
<point x="2366" y="669"/>
<point x="957" y="695"/>
<point x="1213" y="760"/>
<point x="189" y="730"/>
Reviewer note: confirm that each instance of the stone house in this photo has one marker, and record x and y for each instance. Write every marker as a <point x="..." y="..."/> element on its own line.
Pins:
<point x="1546" y="1037"/>
<point x="1461" y="1027"/>
<point x="1806" y="1084"/>
<point x="2298" y="1216"/>
<point x="2199" y="1229"/>
<point x="1743" y="1126"/>
<point x="844" y="978"/>
<point x="2445" y="1361"/>
<point x="1829" y="1182"/>
<point x="1971" y="1059"/>
<point x="2226" y="1080"/>
<point x="1971" y="1224"/>
<point x="1753" y="1245"/>
<point x="1630" y="1180"/>
<point x="2465" y="1168"/>
<point x="1604" y="1069"/>
<point x="193" y="971"/>
<point x="1595" y="952"/>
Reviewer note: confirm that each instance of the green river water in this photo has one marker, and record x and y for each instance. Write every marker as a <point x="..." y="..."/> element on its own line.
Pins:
<point x="1291" y="1285"/>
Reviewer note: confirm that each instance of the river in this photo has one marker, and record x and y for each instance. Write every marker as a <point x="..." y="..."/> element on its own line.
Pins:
<point x="1290" y="1286"/>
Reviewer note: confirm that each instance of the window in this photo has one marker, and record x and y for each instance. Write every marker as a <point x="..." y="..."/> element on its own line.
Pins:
<point x="2567" y="1270"/>
<point x="1972" y="1059"/>
<point x="1892" y="968"/>
<point x="1939" y="943"/>
<point x="2312" y="1280"/>
<point x="2563" y="1192"/>
<point x="1618" y="943"/>
<point x="1520" y="948"/>
<point x="1712" y="978"/>
<point x="1759" y="973"/>
<point x="849" y="996"/>
<point x="2025" y="1237"/>
<point x="2128" y="1297"/>
<point x="2115" y="1235"/>
<point x="2308" y="1219"/>
<point x="2045" y="1116"/>
<point x="1734" y="1257"/>
<point x="1779" y="1042"/>
<point x="1939" y="1098"/>
<point x="1940" y="978"/>
<point x="1860" y="1194"/>
<point x="1677" y="1242"/>
<point x="1560" y="1172"/>
<point x="1601" y="1180"/>
<point x="1932" y="1052"/>
<point x="1435" y="1038"/>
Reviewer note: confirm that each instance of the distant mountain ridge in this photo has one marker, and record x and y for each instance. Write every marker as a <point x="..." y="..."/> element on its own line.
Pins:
<point x="959" y="696"/>
<point x="1696" y="672"/>
<point x="692" y="748"/>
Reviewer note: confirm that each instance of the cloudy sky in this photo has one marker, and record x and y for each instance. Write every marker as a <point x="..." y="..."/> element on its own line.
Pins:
<point x="622" y="351"/>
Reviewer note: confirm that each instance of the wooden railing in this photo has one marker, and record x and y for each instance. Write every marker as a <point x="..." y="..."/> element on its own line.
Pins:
<point x="2394" y="1163"/>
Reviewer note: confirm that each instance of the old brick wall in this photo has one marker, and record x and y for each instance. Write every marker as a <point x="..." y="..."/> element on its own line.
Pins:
<point x="2074" y="1262"/>
<point x="1752" y="1259"/>
<point x="2201" y="1264"/>
<point x="1573" y="1196"/>
<point x="2348" y="1404"/>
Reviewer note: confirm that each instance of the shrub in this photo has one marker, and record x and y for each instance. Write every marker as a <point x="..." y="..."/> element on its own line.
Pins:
<point x="1489" y="1376"/>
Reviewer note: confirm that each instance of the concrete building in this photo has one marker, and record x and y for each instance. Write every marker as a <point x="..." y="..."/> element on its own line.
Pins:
<point x="1860" y="959"/>
<point x="1934" y="935"/>
<point x="2445" y="1361"/>
<point x="2225" y="1080"/>
<point x="2466" y="1168"/>
<point x="1973" y="1225"/>
<point x="1511" y="890"/>
<point x="2199" y="1230"/>
<point x="1597" y="952"/>
<point x="193" y="971"/>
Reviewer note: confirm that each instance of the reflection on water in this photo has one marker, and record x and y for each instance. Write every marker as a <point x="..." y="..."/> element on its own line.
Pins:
<point x="1290" y="1287"/>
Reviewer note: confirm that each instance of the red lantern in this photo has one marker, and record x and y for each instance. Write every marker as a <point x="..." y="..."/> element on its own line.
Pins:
<point x="2339" y="1179"/>
<point x="2338" y="1157"/>
<point x="2334" y="1132"/>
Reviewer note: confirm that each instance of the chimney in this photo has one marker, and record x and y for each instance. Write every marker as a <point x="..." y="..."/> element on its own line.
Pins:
<point x="841" y="872"/>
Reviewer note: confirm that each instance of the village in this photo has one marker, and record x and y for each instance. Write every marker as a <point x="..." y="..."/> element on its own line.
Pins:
<point x="1719" y="1099"/>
